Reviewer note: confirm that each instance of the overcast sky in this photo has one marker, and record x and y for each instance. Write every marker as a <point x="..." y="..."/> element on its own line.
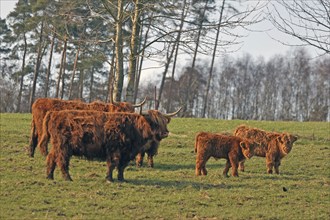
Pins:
<point x="256" y="43"/>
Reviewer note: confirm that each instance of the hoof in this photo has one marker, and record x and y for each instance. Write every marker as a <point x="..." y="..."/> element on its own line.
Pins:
<point x="122" y="180"/>
<point x="109" y="179"/>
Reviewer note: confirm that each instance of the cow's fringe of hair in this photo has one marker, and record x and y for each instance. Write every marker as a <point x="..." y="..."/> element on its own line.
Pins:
<point x="158" y="118"/>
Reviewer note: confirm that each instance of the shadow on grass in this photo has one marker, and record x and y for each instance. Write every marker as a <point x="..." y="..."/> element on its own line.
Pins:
<point x="261" y="176"/>
<point x="174" y="167"/>
<point x="183" y="184"/>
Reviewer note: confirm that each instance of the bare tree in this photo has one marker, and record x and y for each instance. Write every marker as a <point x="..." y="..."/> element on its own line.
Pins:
<point x="49" y="65"/>
<point x="37" y="65"/>
<point x="309" y="21"/>
<point x="133" y="51"/>
<point x="212" y="62"/>
<point x="178" y="37"/>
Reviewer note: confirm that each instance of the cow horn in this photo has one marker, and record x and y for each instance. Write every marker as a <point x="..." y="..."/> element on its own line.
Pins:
<point x="140" y="104"/>
<point x="174" y="113"/>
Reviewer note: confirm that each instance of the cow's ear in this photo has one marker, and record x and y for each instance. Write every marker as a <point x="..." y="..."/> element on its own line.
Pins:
<point x="243" y="145"/>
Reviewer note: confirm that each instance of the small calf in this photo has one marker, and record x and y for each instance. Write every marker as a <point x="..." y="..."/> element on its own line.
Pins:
<point x="274" y="146"/>
<point x="231" y="148"/>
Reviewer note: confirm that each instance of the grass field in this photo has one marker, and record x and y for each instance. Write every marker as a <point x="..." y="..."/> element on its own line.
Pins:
<point x="170" y="190"/>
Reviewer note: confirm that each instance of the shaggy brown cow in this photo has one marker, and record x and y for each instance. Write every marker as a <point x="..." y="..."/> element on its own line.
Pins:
<point x="273" y="146"/>
<point x="114" y="137"/>
<point x="42" y="105"/>
<point x="152" y="149"/>
<point x="233" y="149"/>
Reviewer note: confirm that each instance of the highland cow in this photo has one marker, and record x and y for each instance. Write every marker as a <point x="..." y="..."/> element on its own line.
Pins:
<point x="152" y="149"/>
<point x="231" y="148"/>
<point x="273" y="146"/>
<point x="42" y="105"/>
<point x="113" y="137"/>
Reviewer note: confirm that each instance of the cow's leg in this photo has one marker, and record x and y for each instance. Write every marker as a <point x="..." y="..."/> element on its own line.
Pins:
<point x="150" y="160"/>
<point x="233" y="159"/>
<point x="204" y="171"/>
<point x="51" y="164"/>
<point x="111" y="167"/>
<point x="62" y="161"/>
<point x="241" y="166"/>
<point x="139" y="159"/>
<point x="200" y="165"/>
<point x="122" y="165"/>
<point x="225" y="171"/>
<point x="234" y="167"/>
<point x="277" y="166"/>
<point x="112" y="162"/>
<point x="198" y="169"/>
<point x="270" y="163"/>
<point x="121" y="173"/>
<point x="152" y="152"/>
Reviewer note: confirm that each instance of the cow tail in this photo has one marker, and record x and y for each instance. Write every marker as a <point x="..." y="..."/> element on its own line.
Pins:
<point x="33" y="138"/>
<point x="196" y="143"/>
<point x="45" y="135"/>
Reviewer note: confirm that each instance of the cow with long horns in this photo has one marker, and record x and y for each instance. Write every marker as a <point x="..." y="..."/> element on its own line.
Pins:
<point x="152" y="149"/>
<point x="42" y="105"/>
<point x="114" y="137"/>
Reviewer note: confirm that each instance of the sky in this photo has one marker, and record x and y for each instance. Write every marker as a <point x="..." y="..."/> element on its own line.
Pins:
<point x="257" y="43"/>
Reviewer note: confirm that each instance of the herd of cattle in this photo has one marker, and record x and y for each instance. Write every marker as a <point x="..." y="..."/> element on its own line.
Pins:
<point x="114" y="133"/>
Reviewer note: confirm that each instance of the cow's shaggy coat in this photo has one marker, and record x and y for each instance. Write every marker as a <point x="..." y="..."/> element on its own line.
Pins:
<point x="231" y="148"/>
<point x="42" y="105"/>
<point x="153" y="117"/>
<point x="114" y="137"/>
<point x="273" y="146"/>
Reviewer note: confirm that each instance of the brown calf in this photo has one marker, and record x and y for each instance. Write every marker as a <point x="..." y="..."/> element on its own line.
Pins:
<point x="231" y="148"/>
<point x="273" y="146"/>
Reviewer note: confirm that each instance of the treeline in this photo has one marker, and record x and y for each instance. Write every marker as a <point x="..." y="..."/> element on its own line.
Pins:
<point x="286" y="87"/>
<point x="92" y="50"/>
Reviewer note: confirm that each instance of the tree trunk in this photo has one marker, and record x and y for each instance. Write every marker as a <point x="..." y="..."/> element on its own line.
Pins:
<point x="61" y="69"/>
<point x="188" y="97"/>
<point x="49" y="65"/>
<point x="212" y="62"/>
<point x="137" y="80"/>
<point x="36" y="69"/>
<point x="133" y="52"/>
<point x="91" y="86"/>
<point x="118" y="86"/>
<point x="74" y="72"/>
<point x="63" y="66"/>
<point x="183" y="15"/>
<point x="81" y="84"/>
<point x="111" y="76"/>
<point x="19" y="98"/>
<point x="167" y="64"/>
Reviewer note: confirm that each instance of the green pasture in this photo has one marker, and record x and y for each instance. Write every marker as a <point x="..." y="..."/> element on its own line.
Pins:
<point x="170" y="190"/>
